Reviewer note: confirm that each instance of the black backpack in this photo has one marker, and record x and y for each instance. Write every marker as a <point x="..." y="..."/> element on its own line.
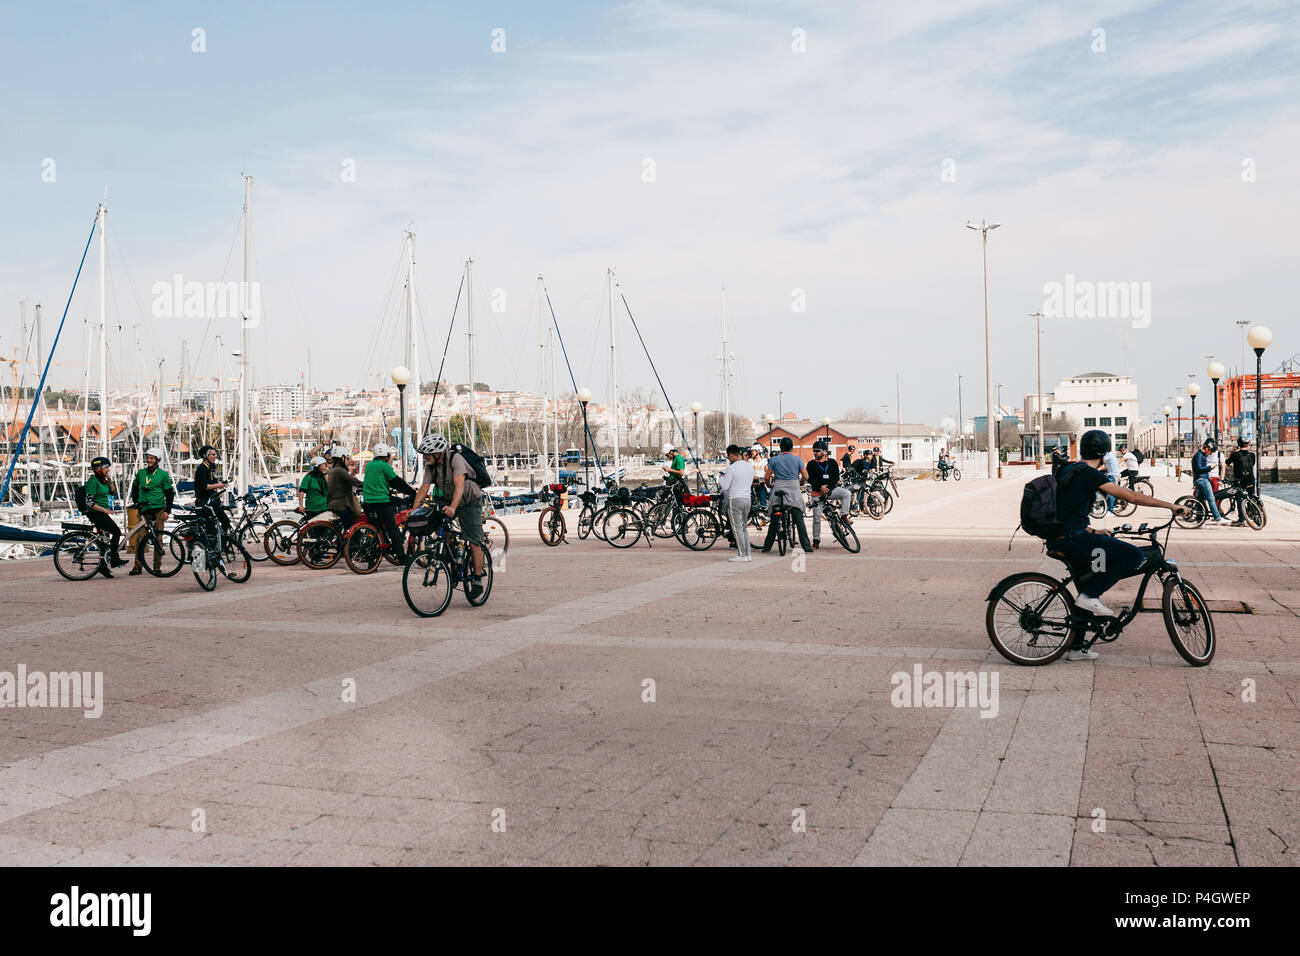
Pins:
<point x="1137" y="453"/>
<point x="475" y="461"/>
<point x="1038" y="506"/>
<point x="79" y="493"/>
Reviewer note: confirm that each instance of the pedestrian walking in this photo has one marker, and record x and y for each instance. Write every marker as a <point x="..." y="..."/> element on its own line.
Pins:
<point x="737" y="483"/>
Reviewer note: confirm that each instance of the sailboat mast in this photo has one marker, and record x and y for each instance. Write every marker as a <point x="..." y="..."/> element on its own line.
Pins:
<point x="613" y="366"/>
<point x="412" y="345"/>
<point x="245" y="298"/>
<point x="469" y="335"/>
<point x="555" y="403"/>
<point x="221" y="407"/>
<point x="103" y="329"/>
<point x="541" y="378"/>
<point x="726" y="376"/>
<point x="85" y="391"/>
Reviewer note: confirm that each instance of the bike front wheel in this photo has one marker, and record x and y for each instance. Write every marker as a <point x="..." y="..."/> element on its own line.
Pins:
<point x="251" y="537"/>
<point x="956" y="474"/>
<point x="1252" y="512"/>
<point x="551" y="526"/>
<point x="1188" y="621"/>
<point x="78" y="555"/>
<point x="427" y="584"/>
<point x="496" y="535"/>
<point x="486" y="580"/>
<point x="361" y="551"/>
<point x="236" y="562"/>
<point x="845" y="535"/>
<point x="1028" y="619"/>
<point x="621" y="527"/>
<point x="319" y="545"/>
<point x="700" y="529"/>
<point x="1196" y="513"/>
<point x="160" y="553"/>
<point x="281" y="542"/>
<point x="204" y="566"/>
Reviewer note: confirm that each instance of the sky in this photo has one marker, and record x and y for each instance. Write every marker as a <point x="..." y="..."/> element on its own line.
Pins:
<point x="819" y="159"/>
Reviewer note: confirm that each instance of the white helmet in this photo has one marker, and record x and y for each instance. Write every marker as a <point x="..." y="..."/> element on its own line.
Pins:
<point x="317" y="461"/>
<point x="154" y="452"/>
<point x="432" y="444"/>
<point x="381" y="450"/>
<point x="668" y="449"/>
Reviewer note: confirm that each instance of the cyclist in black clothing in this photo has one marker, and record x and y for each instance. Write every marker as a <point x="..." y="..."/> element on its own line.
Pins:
<point x="1242" y="463"/>
<point x="846" y="462"/>
<point x="98" y="489"/>
<point x="208" y="485"/>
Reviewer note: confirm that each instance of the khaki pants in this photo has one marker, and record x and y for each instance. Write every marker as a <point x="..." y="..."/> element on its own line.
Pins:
<point x="158" y="521"/>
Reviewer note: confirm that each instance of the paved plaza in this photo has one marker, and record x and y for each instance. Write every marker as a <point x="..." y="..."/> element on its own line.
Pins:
<point x="657" y="706"/>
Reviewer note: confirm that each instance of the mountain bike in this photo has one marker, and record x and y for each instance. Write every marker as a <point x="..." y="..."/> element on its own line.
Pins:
<point x="441" y="564"/>
<point x="1032" y="618"/>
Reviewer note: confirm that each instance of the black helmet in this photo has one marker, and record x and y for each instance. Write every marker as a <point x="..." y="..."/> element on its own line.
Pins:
<point x="1211" y="444"/>
<point x="203" y="452"/>
<point x="100" y="462"/>
<point x="819" y="445"/>
<point x="1094" y="444"/>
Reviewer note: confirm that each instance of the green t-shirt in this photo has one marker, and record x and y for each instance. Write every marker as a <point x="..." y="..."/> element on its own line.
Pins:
<point x="313" y="483"/>
<point x="374" y="486"/>
<point x="151" y="489"/>
<point x="97" y="491"/>
<point x="679" y="463"/>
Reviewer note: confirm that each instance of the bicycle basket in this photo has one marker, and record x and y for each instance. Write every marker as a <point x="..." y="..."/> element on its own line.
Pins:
<point x="696" y="501"/>
<point x="424" y="521"/>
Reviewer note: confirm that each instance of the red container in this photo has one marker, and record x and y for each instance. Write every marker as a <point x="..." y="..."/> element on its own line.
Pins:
<point x="1214" y="483"/>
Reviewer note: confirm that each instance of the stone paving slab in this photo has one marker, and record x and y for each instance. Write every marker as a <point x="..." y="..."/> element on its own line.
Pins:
<point x="523" y="733"/>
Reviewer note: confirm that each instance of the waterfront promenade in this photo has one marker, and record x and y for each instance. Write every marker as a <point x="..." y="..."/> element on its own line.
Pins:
<point x="309" y="718"/>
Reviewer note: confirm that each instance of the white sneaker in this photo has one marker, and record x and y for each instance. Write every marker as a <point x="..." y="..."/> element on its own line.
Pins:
<point x="1093" y="606"/>
<point x="1081" y="655"/>
<point x="737" y="560"/>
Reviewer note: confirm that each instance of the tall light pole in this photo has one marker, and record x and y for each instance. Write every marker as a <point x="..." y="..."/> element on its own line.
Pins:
<point x="584" y="396"/>
<point x="1241" y="324"/>
<point x="984" y="228"/>
<point x="1193" y="390"/>
<point x="961" y="423"/>
<point x="1167" y="411"/>
<point x="780" y="406"/>
<point x="827" y="422"/>
<point x="402" y="378"/>
<point x="1178" y="424"/>
<point x="1215" y="371"/>
<point x="1038" y="398"/>
<point x="1260" y="338"/>
<point x="770" y="419"/>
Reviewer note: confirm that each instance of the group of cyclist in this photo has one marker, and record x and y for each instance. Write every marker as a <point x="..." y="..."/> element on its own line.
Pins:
<point x="334" y="485"/>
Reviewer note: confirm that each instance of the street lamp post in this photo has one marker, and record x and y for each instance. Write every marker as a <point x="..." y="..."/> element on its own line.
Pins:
<point x="1193" y="390"/>
<point x="1038" y="397"/>
<point x="770" y="419"/>
<point x="1167" y="411"/>
<point x="1178" y="425"/>
<point x="827" y="422"/>
<point x="984" y="228"/>
<point x="696" y="408"/>
<point x="1215" y="371"/>
<point x="584" y="396"/>
<point x="402" y="378"/>
<point x="1259" y="338"/>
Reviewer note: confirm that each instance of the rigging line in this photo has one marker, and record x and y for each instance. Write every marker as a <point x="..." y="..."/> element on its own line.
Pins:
<point x="22" y="438"/>
<point x="664" y="391"/>
<point x="225" y="270"/>
<point x="438" y="381"/>
<point x="586" y="426"/>
<point x="385" y="311"/>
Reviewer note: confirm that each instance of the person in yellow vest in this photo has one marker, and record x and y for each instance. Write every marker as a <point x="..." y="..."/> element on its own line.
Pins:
<point x="152" y="494"/>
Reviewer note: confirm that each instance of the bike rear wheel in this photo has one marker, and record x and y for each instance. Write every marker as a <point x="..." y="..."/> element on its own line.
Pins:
<point x="237" y="563"/>
<point x="1028" y="619"/>
<point x="427" y="584"/>
<point x="700" y="529"/>
<point x="1252" y="512"/>
<point x="875" y="505"/>
<point x="281" y="542"/>
<point x="361" y="550"/>
<point x="660" y="520"/>
<point x="1098" y="509"/>
<point x="1123" y="507"/>
<point x="251" y="537"/>
<point x="1188" y="621"/>
<point x="320" y="545"/>
<point x="551" y="526"/>
<point x="956" y="474"/>
<point x="1196" y="512"/>
<point x="204" y="566"/>
<point x="78" y="555"/>
<point x="496" y="534"/>
<point x="584" y="522"/>
<point x="782" y="538"/>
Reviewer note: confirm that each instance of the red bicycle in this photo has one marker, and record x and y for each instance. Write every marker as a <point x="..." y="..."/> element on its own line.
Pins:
<point x="362" y="545"/>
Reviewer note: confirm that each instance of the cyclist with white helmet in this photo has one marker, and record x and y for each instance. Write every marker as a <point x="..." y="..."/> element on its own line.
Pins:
<point x="152" y="494"/>
<point x="676" y="467"/>
<point x="313" y="490"/>
<point x="446" y="470"/>
<point x="379" y="481"/>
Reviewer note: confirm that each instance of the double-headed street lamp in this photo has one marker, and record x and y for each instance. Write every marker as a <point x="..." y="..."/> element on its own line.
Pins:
<point x="584" y="396"/>
<point x="402" y="378"/>
<point x="1215" y="371"/>
<point x="984" y="228"/>
<point x="1259" y="338"/>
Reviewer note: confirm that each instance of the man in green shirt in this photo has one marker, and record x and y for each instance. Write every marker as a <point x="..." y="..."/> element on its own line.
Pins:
<point x="313" y="490"/>
<point x="99" y="491"/>
<point x="152" y="494"/>
<point x="376" y="497"/>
